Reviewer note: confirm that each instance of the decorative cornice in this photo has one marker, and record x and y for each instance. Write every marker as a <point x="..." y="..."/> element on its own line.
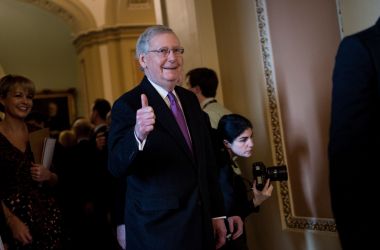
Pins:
<point x="54" y="8"/>
<point x="291" y="221"/>
<point x="139" y="4"/>
<point x="107" y="34"/>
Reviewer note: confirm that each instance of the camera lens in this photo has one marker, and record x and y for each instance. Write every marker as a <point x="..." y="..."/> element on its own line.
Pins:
<point x="277" y="173"/>
<point x="262" y="173"/>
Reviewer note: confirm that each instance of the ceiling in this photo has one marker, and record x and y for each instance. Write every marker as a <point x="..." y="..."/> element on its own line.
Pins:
<point x="37" y="44"/>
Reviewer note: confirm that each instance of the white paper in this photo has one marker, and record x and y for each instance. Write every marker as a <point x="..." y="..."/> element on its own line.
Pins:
<point x="48" y="152"/>
<point x="1" y="244"/>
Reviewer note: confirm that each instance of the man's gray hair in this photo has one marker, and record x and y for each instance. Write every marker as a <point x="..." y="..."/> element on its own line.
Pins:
<point x="142" y="45"/>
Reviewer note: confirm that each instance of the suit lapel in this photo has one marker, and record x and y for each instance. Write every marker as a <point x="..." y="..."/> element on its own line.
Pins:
<point x="192" y="124"/>
<point x="164" y="115"/>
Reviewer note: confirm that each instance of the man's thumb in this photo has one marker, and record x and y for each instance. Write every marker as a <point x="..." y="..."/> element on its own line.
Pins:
<point x="144" y="101"/>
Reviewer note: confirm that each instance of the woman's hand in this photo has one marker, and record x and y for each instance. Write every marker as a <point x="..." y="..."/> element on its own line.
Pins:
<point x="20" y="230"/>
<point x="40" y="173"/>
<point x="260" y="196"/>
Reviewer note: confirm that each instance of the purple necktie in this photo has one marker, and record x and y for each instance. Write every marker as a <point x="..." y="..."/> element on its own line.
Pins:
<point x="178" y="114"/>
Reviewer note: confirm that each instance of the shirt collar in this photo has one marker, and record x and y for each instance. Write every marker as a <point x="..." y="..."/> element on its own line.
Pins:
<point x="163" y="92"/>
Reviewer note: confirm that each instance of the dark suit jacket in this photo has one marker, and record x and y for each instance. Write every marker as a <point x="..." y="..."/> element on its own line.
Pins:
<point x="355" y="138"/>
<point x="171" y="194"/>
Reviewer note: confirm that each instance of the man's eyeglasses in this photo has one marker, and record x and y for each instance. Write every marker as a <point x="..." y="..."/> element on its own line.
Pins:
<point x="164" y="52"/>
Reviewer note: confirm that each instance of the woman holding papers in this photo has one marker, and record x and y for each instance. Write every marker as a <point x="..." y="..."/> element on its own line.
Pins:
<point x="30" y="208"/>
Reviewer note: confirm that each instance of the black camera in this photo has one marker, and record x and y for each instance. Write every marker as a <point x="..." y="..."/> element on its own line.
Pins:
<point x="262" y="173"/>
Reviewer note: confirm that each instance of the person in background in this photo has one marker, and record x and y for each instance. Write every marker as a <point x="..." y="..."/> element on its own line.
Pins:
<point x="67" y="138"/>
<point x="105" y="194"/>
<point x="1" y="113"/>
<point x="203" y="82"/>
<point x="235" y="137"/>
<point x="118" y="217"/>
<point x="159" y="142"/>
<point x="354" y="139"/>
<point x="78" y="193"/>
<point x="31" y="210"/>
<point x="98" y="116"/>
<point x="117" y="187"/>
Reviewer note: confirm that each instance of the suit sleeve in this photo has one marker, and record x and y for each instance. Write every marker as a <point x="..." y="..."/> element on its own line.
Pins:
<point x="351" y="99"/>
<point x="354" y="120"/>
<point x="122" y="146"/>
<point x="216" y="195"/>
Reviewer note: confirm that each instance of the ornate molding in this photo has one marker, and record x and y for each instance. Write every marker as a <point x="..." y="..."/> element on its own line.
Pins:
<point x="54" y="8"/>
<point x="107" y="34"/>
<point x="139" y="4"/>
<point x="340" y="17"/>
<point x="290" y="220"/>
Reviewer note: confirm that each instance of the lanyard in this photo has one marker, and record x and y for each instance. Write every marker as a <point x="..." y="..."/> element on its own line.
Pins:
<point x="206" y="104"/>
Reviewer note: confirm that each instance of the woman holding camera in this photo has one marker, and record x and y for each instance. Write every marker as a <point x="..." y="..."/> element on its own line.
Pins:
<point x="235" y="140"/>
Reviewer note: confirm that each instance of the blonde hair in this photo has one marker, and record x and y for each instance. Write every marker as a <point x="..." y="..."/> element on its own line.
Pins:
<point x="8" y="82"/>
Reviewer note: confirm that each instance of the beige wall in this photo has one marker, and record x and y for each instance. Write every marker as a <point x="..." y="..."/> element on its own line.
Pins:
<point x="358" y="15"/>
<point x="304" y="47"/>
<point x="297" y="84"/>
<point x="195" y="28"/>
<point x="45" y="55"/>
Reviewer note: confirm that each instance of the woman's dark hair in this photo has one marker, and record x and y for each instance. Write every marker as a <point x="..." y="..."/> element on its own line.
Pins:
<point x="231" y="126"/>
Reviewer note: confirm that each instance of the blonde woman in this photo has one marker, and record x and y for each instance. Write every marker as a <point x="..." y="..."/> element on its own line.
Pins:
<point x="30" y="209"/>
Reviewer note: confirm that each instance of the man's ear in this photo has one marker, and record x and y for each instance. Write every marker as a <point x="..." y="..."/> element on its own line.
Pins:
<point x="142" y="60"/>
<point x="96" y="113"/>
<point x="197" y="90"/>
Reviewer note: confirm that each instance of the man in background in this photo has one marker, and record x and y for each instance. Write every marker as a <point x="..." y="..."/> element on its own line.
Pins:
<point x="203" y="82"/>
<point x="100" y="109"/>
<point x="104" y="200"/>
<point x="354" y="143"/>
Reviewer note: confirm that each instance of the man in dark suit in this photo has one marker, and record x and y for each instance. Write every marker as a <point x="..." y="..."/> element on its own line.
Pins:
<point x="173" y="200"/>
<point x="105" y="195"/>
<point x="355" y="139"/>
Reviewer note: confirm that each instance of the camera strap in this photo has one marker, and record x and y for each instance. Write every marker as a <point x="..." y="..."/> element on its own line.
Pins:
<point x="208" y="103"/>
<point x="235" y="166"/>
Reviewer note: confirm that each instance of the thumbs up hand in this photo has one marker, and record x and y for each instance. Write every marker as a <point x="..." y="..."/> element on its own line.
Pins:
<point x="145" y="119"/>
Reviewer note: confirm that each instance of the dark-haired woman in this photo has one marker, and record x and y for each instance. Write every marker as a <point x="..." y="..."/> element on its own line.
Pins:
<point x="235" y="137"/>
<point x="30" y="208"/>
